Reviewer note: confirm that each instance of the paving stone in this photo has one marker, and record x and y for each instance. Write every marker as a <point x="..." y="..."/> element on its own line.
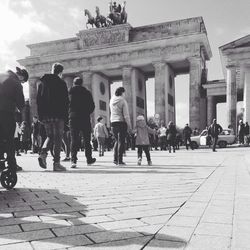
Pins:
<point x="80" y="229"/>
<point x="61" y="242"/>
<point x="9" y="229"/>
<point x="214" y="229"/>
<point x="107" y="236"/>
<point x="184" y="221"/>
<point x="163" y="244"/>
<point x="158" y="219"/>
<point x="90" y="220"/>
<point x="207" y="242"/>
<point x="121" y="224"/>
<point x="18" y="246"/>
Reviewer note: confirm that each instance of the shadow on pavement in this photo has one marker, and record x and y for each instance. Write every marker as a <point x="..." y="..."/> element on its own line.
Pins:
<point x="53" y="220"/>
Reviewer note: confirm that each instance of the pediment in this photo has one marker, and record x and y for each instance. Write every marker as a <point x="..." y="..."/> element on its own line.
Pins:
<point x="239" y="43"/>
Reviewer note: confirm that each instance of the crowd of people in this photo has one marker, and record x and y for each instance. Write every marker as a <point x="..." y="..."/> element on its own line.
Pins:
<point x="64" y="121"/>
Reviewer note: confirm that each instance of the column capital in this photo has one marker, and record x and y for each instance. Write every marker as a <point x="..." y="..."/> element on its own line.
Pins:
<point x="194" y="60"/>
<point x="127" y="68"/>
<point x="159" y="64"/>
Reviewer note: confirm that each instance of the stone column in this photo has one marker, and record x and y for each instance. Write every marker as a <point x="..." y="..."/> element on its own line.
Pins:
<point x="194" y="94"/>
<point x="231" y="96"/>
<point x="87" y="79"/>
<point x="211" y="109"/>
<point x="161" y="90"/>
<point x="246" y="97"/>
<point x="127" y="84"/>
<point x="32" y="96"/>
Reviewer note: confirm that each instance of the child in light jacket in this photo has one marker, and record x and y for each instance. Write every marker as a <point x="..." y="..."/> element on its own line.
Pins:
<point x="100" y="133"/>
<point x="142" y="132"/>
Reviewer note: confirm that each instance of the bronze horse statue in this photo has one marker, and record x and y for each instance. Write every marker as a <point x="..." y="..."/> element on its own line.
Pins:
<point x="119" y="16"/>
<point x="91" y="19"/>
<point x="100" y="20"/>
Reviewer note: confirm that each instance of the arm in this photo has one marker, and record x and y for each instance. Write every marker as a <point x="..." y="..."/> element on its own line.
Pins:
<point x="106" y="132"/>
<point x="91" y="103"/>
<point x="126" y="114"/>
<point x="19" y="97"/>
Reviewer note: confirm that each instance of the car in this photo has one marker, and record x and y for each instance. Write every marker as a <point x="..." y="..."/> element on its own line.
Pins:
<point x="225" y="138"/>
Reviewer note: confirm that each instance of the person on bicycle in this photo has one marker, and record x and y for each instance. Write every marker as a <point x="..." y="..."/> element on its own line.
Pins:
<point x="11" y="99"/>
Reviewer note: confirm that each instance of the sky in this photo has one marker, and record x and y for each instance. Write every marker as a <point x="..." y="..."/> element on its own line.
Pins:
<point x="25" y="22"/>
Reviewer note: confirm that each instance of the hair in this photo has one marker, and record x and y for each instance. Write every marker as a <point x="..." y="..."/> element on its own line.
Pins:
<point x="77" y="81"/>
<point x="99" y="118"/>
<point x="57" y="68"/>
<point x="119" y="91"/>
<point x="35" y="116"/>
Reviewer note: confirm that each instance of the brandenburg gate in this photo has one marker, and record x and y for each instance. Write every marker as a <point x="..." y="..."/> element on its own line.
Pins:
<point x="131" y="55"/>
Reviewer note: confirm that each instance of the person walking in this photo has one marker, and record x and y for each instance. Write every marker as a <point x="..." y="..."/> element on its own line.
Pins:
<point x="142" y="132"/>
<point x="120" y="123"/>
<point x="35" y="135"/>
<point x="52" y="107"/>
<point x="214" y="130"/>
<point x="187" y="132"/>
<point x="246" y="133"/>
<point x="81" y="106"/>
<point x="241" y="132"/>
<point x="100" y="133"/>
<point x="11" y="98"/>
<point x="171" y="136"/>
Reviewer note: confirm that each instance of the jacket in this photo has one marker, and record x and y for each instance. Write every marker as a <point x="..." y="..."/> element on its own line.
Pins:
<point x="81" y="103"/>
<point x="100" y="130"/>
<point x="187" y="131"/>
<point x="214" y="130"/>
<point x="142" y="133"/>
<point x="119" y="110"/>
<point x="52" y="98"/>
<point x="11" y="92"/>
<point x="171" y="132"/>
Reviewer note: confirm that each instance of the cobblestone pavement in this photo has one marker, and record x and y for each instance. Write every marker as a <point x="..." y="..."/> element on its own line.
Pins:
<point x="187" y="200"/>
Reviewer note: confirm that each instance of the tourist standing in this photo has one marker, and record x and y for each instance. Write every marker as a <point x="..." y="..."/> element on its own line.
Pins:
<point x="171" y="136"/>
<point x="35" y="135"/>
<point x="81" y="106"/>
<point x="100" y="133"/>
<point x="187" y="132"/>
<point x="142" y="132"/>
<point x="162" y="134"/>
<point x="214" y="130"/>
<point x="52" y="107"/>
<point x="11" y="98"/>
<point x="246" y="133"/>
<point x="120" y="123"/>
<point x="25" y="136"/>
<point x="241" y="132"/>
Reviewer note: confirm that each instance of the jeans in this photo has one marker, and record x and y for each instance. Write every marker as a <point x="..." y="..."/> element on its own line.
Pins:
<point x="187" y="141"/>
<point x="77" y="126"/>
<point x="145" y="148"/>
<point x="119" y="130"/>
<point x="215" y="139"/>
<point x="7" y="130"/>
<point x="54" y="131"/>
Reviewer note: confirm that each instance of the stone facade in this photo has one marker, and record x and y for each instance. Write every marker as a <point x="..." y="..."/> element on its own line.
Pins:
<point x="131" y="55"/>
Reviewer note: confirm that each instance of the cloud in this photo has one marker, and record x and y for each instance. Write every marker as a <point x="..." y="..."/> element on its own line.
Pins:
<point x="17" y="28"/>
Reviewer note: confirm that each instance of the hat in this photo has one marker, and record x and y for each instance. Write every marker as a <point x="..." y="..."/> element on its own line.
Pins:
<point x="77" y="81"/>
<point x="140" y="118"/>
<point x="23" y="73"/>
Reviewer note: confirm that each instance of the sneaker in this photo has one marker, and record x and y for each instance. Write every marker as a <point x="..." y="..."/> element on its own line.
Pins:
<point x="58" y="167"/>
<point x="73" y="164"/>
<point x="66" y="159"/>
<point x="149" y="163"/>
<point x="121" y="163"/>
<point x="139" y="162"/>
<point x="115" y="162"/>
<point x="92" y="161"/>
<point x="42" y="160"/>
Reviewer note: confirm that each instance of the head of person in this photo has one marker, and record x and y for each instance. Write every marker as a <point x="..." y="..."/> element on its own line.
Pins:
<point x="77" y="81"/>
<point x="241" y="122"/>
<point x="57" y="69"/>
<point x="187" y="125"/>
<point x="35" y="119"/>
<point x="120" y="92"/>
<point x="214" y="121"/>
<point x="22" y="75"/>
<point x="140" y="118"/>
<point x="100" y="119"/>
<point x="170" y="123"/>
<point x="246" y="123"/>
<point x="114" y="3"/>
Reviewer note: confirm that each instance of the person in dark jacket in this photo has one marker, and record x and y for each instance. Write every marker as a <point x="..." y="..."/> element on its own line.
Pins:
<point x="11" y="98"/>
<point x="81" y="105"/>
<point x="214" y="130"/>
<point x="52" y="107"/>
<point x="187" y="132"/>
<point x="241" y="132"/>
<point x="171" y="136"/>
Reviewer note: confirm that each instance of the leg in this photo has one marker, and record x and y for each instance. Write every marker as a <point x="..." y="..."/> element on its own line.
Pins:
<point x="190" y="143"/>
<point x="58" y="127"/>
<point x="115" y="131"/>
<point x="74" y="133"/>
<point x="214" y="143"/>
<point x="139" y="152"/>
<point x="87" y="145"/>
<point x="121" y="141"/>
<point x="146" y="150"/>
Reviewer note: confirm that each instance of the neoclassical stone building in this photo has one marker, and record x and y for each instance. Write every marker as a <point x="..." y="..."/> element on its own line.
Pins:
<point x="235" y="58"/>
<point x="132" y="55"/>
